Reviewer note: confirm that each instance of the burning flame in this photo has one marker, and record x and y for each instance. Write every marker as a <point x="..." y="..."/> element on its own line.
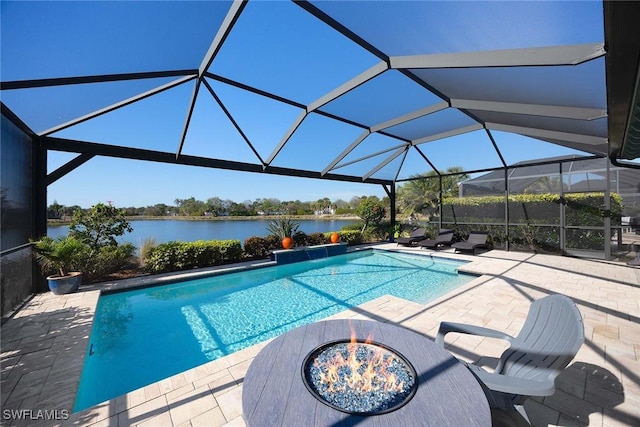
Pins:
<point x="354" y="372"/>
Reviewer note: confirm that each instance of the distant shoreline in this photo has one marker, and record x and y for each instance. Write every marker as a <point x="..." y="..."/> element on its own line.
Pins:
<point x="225" y="218"/>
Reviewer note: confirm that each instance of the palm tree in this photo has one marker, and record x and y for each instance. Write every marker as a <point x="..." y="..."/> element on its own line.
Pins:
<point x="422" y="192"/>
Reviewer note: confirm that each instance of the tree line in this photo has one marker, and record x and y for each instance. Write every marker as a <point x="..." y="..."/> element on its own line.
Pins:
<point x="217" y="207"/>
<point x="417" y="196"/>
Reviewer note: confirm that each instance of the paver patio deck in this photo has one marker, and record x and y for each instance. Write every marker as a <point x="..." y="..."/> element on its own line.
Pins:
<point x="43" y="348"/>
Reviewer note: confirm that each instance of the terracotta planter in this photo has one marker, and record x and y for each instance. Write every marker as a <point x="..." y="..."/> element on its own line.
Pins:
<point x="287" y="243"/>
<point x="60" y="285"/>
<point x="335" y="237"/>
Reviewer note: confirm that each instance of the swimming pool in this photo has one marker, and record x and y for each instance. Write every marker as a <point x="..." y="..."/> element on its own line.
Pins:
<point x="142" y="336"/>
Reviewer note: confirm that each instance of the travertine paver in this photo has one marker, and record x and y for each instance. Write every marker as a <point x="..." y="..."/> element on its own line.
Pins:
<point x="43" y="348"/>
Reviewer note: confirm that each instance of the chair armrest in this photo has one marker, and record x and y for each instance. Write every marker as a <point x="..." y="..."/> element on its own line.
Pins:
<point x="462" y="328"/>
<point x="513" y="385"/>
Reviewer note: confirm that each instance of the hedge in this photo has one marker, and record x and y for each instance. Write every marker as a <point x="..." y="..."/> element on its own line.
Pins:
<point x="176" y="256"/>
<point x="302" y="239"/>
<point x="260" y="247"/>
<point x="534" y="219"/>
<point x="351" y="237"/>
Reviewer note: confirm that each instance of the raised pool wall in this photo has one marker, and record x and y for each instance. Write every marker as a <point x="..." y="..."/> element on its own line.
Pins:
<point x="306" y="253"/>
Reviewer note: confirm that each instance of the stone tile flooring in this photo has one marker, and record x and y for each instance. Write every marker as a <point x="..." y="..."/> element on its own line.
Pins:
<point x="43" y="348"/>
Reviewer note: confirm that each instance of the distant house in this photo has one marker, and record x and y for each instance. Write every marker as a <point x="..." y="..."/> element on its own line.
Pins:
<point x="53" y="214"/>
<point x="262" y="213"/>
<point x="325" y="211"/>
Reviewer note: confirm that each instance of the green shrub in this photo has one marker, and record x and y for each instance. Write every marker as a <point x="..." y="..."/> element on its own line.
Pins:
<point x="164" y="257"/>
<point x="300" y="238"/>
<point x="255" y="247"/>
<point x="260" y="247"/>
<point x="70" y="254"/>
<point x="176" y="256"/>
<point x="373" y="232"/>
<point x="378" y="231"/>
<point x="351" y="237"/>
<point x="319" y="238"/>
<point x="397" y="229"/>
<point x="107" y="260"/>
<point x="356" y="226"/>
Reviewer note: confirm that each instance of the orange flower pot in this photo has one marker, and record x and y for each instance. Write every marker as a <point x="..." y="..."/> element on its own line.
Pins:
<point x="335" y="237"/>
<point x="287" y="243"/>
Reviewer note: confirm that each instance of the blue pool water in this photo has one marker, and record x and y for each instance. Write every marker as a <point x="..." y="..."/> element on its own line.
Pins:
<point x="142" y="336"/>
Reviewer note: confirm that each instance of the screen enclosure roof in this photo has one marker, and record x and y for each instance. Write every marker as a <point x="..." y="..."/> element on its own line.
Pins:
<point x="363" y="91"/>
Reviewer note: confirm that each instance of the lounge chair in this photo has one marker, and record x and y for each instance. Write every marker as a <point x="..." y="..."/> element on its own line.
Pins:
<point x="444" y="238"/>
<point x="415" y="236"/>
<point x="476" y="239"/>
<point x="552" y="334"/>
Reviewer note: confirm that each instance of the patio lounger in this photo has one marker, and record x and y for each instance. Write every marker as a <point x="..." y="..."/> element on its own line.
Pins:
<point x="476" y="239"/>
<point x="552" y="334"/>
<point x="415" y="236"/>
<point x="444" y="238"/>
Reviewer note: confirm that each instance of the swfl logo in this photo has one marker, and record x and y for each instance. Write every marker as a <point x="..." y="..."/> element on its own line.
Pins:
<point x="37" y="414"/>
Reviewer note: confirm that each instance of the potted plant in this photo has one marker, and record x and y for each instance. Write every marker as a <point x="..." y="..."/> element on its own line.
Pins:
<point x="284" y="228"/>
<point x="58" y="258"/>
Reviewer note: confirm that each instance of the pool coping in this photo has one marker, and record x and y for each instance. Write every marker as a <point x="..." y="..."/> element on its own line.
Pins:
<point x="57" y="329"/>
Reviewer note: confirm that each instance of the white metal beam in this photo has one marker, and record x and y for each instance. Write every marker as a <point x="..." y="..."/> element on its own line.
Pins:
<point x="385" y="163"/>
<point x="345" y="152"/>
<point x="117" y="105"/>
<point x="550" y="134"/>
<point x="459" y="131"/>
<point x="577" y="113"/>
<point x="598" y="150"/>
<point x="554" y="55"/>
<point x="341" y="90"/>
<point x="233" y="121"/>
<point x="406" y="153"/>
<point x="221" y="35"/>
<point x="410" y="116"/>
<point x="187" y="120"/>
<point x="363" y="77"/>
<point x="286" y="138"/>
<point x="369" y="156"/>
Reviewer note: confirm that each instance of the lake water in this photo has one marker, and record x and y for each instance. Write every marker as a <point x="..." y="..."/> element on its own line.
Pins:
<point x="166" y="230"/>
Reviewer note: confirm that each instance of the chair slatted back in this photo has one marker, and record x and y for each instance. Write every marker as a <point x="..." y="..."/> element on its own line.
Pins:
<point x="551" y="336"/>
<point x="444" y="236"/>
<point x="478" y="237"/>
<point x="418" y="232"/>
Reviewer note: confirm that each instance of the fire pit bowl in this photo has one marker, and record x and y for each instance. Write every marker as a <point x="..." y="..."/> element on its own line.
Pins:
<point x="359" y="377"/>
<point x="275" y="393"/>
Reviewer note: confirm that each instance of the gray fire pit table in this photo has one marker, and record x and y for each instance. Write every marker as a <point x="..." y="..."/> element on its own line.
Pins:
<point x="274" y="393"/>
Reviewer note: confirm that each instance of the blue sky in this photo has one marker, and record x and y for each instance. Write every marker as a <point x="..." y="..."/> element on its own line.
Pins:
<point x="276" y="47"/>
<point x="134" y="183"/>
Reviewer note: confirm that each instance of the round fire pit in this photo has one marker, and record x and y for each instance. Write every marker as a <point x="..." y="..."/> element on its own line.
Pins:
<point x="359" y="377"/>
<point x="274" y="392"/>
